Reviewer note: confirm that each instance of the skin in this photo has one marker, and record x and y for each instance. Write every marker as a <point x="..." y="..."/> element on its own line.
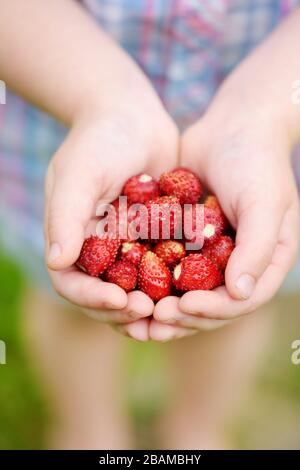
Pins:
<point x="118" y="127"/>
<point x="243" y="156"/>
<point x="115" y="116"/>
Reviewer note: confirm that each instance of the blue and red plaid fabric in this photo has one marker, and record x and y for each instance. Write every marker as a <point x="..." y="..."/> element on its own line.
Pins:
<point x="186" y="48"/>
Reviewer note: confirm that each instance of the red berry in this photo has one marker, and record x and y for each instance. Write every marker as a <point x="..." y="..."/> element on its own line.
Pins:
<point x="140" y="189"/>
<point x="164" y="217"/>
<point x="148" y="246"/>
<point x="209" y="226"/>
<point x="133" y="252"/>
<point x="120" y="220"/>
<point x="196" y="272"/>
<point x="212" y="202"/>
<point x="219" y="250"/>
<point x="181" y="183"/>
<point x="213" y="224"/>
<point x="122" y="273"/>
<point x="154" y="277"/>
<point x="97" y="254"/>
<point x="170" y="251"/>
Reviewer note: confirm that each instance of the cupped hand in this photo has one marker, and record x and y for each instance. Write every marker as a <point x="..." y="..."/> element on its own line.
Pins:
<point x="243" y="158"/>
<point x="100" y="153"/>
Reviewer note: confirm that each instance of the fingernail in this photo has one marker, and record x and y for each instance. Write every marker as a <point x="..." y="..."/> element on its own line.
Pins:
<point x="54" y="252"/>
<point x="245" y="285"/>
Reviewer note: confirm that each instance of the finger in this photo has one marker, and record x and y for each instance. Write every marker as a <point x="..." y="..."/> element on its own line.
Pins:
<point x="139" y="305"/>
<point x="70" y="205"/>
<point x="138" y="330"/>
<point x="284" y="256"/>
<point x="102" y="301"/>
<point x="257" y="235"/>
<point x="289" y="238"/>
<point x="87" y="291"/>
<point x="219" y="304"/>
<point x="167" y="311"/>
<point x="162" y="332"/>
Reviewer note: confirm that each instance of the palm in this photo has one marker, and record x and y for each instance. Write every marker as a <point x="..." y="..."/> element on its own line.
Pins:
<point x="93" y="163"/>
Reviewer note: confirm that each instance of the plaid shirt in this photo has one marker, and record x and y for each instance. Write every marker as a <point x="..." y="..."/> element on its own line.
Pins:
<point x="185" y="47"/>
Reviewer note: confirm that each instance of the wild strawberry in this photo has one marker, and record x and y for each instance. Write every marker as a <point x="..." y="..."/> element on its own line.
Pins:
<point x="204" y="224"/>
<point x="140" y="189"/>
<point x="219" y="250"/>
<point x="196" y="272"/>
<point x="164" y="218"/>
<point x="181" y="183"/>
<point x="133" y="252"/>
<point x="212" y="202"/>
<point x="148" y="246"/>
<point x="122" y="273"/>
<point x="213" y="224"/>
<point x="154" y="277"/>
<point x="97" y="254"/>
<point x="170" y="251"/>
<point x="119" y="220"/>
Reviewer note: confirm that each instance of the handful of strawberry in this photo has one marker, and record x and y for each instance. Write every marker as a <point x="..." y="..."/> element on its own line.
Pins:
<point x="160" y="263"/>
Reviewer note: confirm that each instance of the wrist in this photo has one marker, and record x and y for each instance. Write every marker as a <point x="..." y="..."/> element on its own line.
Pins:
<point x="132" y="110"/>
<point x="260" y="99"/>
<point x="117" y="87"/>
<point x="239" y="109"/>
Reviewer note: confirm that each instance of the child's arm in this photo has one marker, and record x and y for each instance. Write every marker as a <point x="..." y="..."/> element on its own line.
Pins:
<point x="54" y="55"/>
<point x="242" y="148"/>
<point x="57" y="57"/>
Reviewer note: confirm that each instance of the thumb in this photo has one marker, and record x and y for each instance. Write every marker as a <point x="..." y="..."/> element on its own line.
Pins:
<point x="69" y="207"/>
<point x="257" y="235"/>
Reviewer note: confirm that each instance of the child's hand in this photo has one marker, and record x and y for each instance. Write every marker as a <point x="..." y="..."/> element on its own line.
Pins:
<point x="79" y="75"/>
<point x="244" y="160"/>
<point x="100" y="153"/>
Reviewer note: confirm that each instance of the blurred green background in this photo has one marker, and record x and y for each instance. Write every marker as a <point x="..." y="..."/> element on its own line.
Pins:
<point x="270" y="418"/>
